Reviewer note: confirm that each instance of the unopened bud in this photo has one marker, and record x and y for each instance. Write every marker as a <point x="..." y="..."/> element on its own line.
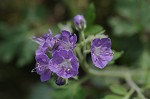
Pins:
<point x="79" y="22"/>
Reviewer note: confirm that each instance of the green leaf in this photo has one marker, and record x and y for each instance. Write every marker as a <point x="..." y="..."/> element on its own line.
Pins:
<point x="71" y="91"/>
<point x="144" y="63"/>
<point x="13" y="42"/>
<point x="118" y="89"/>
<point x="67" y="26"/>
<point x="92" y="30"/>
<point x="144" y="59"/>
<point x="132" y="20"/>
<point x="116" y="56"/>
<point x="40" y="91"/>
<point x="123" y="28"/>
<point x="105" y="81"/>
<point x="27" y="52"/>
<point x="113" y="97"/>
<point x="90" y="14"/>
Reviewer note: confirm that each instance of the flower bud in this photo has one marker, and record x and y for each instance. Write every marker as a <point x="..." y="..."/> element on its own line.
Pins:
<point x="60" y="81"/>
<point x="79" y="22"/>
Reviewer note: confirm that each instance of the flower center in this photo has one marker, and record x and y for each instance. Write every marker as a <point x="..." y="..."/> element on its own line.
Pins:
<point x="97" y="51"/>
<point x="67" y="45"/>
<point x="66" y="65"/>
<point x="102" y="51"/>
<point x="41" y="67"/>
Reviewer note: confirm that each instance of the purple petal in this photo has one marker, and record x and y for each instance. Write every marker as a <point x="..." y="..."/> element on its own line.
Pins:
<point x="46" y="40"/>
<point x="65" y="35"/>
<point x="67" y="67"/>
<point x="58" y="36"/>
<point x="45" y="76"/>
<point x="42" y="62"/>
<point x="42" y="59"/>
<point x="73" y="39"/>
<point x="106" y="42"/>
<point x="67" y="41"/>
<point x="101" y="52"/>
<point x="38" y="40"/>
<point x="66" y="54"/>
<point x="74" y="63"/>
<point x="57" y="58"/>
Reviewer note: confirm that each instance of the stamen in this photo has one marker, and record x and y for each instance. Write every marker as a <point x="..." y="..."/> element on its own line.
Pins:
<point x="38" y="67"/>
<point x="111" y="54"/>
<point x="33" y="70"/>
<point x="38" y="64"/>
<point x="68" y="71"/>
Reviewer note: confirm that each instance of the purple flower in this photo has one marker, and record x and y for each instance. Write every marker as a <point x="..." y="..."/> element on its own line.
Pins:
<point x="79" y="22"/>
<point x="42" y="63"/>
<point x="46" y="41"/>
<point x="64" y="63"/>
<point x="66" y="40"/>
<point x="101" y="52"/>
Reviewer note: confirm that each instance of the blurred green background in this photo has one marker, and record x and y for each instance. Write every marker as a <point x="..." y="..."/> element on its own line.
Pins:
<point x="127" y="22"/>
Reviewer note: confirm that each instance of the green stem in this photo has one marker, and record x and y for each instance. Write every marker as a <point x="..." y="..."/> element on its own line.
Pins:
<point x="85" y="67"/>
<point x="134" y="86"/>
<point x="90" y="38"/>
<point x="84" y="79"/>
<point x="128" y="95"/>
<point x="126" y="74"/>
<point x="120" y="74"/>
<point x="87" y="51"/>
<point x="78" y="51"/>
<point x="111" y="73"/>
<point x="84" y="46"/>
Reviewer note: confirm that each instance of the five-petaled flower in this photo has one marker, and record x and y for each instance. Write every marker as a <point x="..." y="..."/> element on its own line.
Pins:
<point x="101" y="52"/>
<point x="64" y="64"/>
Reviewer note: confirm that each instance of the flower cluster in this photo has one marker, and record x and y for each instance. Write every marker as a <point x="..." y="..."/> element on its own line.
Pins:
<point x="63" y="61"/>
<point x="60" y="47"/>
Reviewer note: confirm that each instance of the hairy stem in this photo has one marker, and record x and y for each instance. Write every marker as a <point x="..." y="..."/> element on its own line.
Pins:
<point x="90" y="38"/>
<point x="84" y="46"/>
<point x="106" y="73"/>
<point x="134" y="86"/>
<point x="78" y="51"/>
<point x="128" y="95"/>
<point x="87" y="51"/>
<point x="125" y="74"/>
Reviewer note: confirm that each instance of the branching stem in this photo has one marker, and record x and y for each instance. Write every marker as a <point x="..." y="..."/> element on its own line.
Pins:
<point x="128" y="95"/>
<point x="134" y="86"/>
<point x="124" y="74"/>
